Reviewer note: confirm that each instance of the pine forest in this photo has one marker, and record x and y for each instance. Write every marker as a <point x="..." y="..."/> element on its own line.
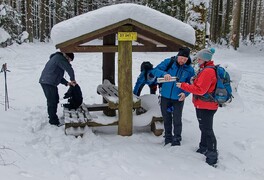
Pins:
<point x="225" y="22"/>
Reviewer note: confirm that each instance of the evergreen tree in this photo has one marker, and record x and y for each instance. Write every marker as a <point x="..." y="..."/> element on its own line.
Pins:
<point x="197" y="19"/>
<point x="10" y="21"/>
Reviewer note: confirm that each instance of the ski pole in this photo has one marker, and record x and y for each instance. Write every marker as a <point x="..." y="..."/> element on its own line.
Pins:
<point x="4" y="69"/>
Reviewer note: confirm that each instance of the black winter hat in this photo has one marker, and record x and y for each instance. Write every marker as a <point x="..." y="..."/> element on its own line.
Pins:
<point x="71" y="55"/>
<point x="184" y="51"/>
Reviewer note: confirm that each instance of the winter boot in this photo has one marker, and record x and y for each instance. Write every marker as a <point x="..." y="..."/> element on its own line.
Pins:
<point x="167" y="141"/>
<point x="211" y="157"/>
<point x="176" y="141"/>
<point x="202" y="150"/>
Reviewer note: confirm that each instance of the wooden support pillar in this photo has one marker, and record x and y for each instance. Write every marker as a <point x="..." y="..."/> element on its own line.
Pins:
<point x="125" y="85"/>
<point x="109" y="67"/>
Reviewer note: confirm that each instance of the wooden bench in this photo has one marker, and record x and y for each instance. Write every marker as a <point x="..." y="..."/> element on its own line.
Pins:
<point x="110" y="94"/>
<point x="76" y="121"/>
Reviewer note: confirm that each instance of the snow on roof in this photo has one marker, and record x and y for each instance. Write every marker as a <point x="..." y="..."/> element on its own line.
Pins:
<point x="109" y="15"/>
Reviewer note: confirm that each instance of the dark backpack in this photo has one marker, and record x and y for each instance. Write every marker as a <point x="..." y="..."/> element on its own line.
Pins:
<point x="223" y="89"/>
<point x="146" y="66"/>
<point x="74" y="96"/>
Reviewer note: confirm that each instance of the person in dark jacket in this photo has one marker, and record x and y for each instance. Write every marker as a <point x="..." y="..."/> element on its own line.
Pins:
<point x="172" y="97"/>
<point x="145" y="77"/>
<point x="51" y="77"/>
<point x="204" y="82"/>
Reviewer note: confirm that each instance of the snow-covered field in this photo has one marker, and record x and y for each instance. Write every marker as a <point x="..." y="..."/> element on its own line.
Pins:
<point x="32" y="149"/>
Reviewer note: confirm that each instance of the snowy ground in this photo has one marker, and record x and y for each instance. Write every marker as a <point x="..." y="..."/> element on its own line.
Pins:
<point x="39" y="151"/>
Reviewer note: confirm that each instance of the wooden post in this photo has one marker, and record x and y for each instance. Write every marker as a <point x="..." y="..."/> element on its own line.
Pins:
<point x="125" y="85"/>
<point x="109" y="67"/>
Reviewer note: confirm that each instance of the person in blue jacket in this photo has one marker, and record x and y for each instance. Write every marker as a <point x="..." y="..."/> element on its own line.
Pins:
<point x="145" y="78"/>
<point x="172" y="97"/>
<point x="51" y="77"/>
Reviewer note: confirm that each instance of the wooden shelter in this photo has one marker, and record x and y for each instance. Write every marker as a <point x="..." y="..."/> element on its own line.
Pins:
<point x="123" y="37"/>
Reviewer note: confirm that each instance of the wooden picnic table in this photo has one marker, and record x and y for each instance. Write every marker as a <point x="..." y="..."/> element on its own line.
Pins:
<point x="110" y="94"/>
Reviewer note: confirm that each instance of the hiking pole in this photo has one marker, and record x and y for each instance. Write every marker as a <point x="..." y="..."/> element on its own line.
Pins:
<point x="4" y="69"/>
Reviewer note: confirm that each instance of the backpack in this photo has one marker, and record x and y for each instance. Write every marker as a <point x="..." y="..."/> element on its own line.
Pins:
<point x="74" y="96"/>
<point x="223" y="89"/>
<point x="146" y="66"/>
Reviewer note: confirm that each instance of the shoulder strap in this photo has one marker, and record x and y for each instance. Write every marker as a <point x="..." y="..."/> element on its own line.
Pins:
<point x="172" y="60"/>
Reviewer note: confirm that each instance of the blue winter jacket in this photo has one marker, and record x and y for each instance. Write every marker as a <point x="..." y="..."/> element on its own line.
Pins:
<point x="184" y="73"/>
<point x="142" y="80"/>
<point x="54" y="69"/>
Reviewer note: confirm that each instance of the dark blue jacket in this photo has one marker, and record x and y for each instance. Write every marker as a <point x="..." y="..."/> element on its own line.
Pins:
<point x="184" y="73"/>
<point x="142" y="80"/>
<point x="54" y="69"/>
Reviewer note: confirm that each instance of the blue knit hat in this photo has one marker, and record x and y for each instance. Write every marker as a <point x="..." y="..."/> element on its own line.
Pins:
<point x="205" y="54"/>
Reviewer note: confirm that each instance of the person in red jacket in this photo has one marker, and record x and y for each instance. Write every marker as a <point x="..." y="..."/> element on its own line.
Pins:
<point x="204" y="82"/>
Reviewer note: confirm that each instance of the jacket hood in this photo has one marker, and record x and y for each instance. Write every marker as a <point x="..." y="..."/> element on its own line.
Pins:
<point x="55" y="54"/>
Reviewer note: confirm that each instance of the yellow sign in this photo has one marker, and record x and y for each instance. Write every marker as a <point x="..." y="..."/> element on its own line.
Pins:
<point x="127" y="36"/>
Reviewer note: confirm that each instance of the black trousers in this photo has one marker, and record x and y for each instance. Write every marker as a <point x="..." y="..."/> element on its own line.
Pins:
<point x="205" y="118"/>
<point x="52" y="96"/>
<point x="172" y="115"/>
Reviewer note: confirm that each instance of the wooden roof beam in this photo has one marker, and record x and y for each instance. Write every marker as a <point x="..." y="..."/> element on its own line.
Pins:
<point x="105" y="49"/>
<point x="147" y="41"/>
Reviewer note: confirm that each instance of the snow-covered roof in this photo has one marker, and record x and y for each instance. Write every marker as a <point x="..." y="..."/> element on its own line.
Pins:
<point x="100" y="18"/>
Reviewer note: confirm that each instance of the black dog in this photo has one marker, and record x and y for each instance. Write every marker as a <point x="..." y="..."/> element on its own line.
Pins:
<point x="74" y="96"/>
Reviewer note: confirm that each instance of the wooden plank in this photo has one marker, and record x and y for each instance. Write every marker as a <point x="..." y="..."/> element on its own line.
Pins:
<point x="86" y="113"/>
<point x="95" y="124"/>
<point x="97" y="107"/>
<point x="110" y="49"/>
<point x="153" y="125"/>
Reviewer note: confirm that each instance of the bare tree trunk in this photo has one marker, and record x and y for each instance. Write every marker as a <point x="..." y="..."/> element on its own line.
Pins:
<point x="42" y="22"/>
<point x="253" y="21"/>
<point x="219" y="21"/>
<point x="214" y="21"/>
<point x="23" y="15"/>
<point x="228" y="17"/>
<point x="52" y="13"/>
<point x="29" y="20"/>
<point x="75" y="6"/>
<point x="80" y="7"/>
<point x="58" y="13"/>
<point x="36" y="19"/>
<point x="236" y="24"/>
<point x="182" y="10"/>
<point x="258" y="25"/>
<point x="47" y="22"/>
<point x="261" y="19"/>
<point x="246" y="20"/>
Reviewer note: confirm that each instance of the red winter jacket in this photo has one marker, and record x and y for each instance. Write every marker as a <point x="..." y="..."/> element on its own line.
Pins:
<point x="205" y="82"/>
